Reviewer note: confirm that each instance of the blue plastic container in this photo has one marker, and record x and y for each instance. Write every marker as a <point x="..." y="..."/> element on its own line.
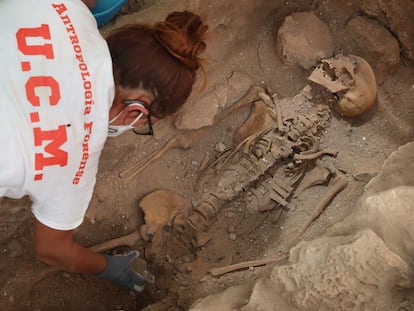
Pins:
<point x="105" y="10"/>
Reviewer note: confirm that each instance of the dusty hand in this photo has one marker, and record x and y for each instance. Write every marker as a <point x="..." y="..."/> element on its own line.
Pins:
<point x="120" y="272"/>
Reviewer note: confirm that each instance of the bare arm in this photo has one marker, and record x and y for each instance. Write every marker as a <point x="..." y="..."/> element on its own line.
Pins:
<point x="57" y="248"/>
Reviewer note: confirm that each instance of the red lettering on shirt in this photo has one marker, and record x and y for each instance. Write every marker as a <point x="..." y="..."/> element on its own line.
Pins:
<point x="48" y="142"/>
<point x="87" y="86"/>
<point x="56" y="139"/>
<point x="60" y="8"/>
<point x="85" y="152"/>
<point x="42" y="31"/>
<point x="42" y="81"/>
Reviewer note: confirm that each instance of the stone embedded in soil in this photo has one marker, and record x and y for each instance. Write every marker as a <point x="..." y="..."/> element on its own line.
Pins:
<point x="304" y="39"/>
<point x="372" y="41"/>
<point x="397" y="16"/>
<point x="355" y="272"/>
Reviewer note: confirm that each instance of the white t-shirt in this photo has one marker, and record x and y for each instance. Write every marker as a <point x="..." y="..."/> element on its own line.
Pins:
<point x="56" y="88"/>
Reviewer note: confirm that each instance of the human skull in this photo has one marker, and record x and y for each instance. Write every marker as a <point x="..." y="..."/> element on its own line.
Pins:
<point x="351" y="79"/>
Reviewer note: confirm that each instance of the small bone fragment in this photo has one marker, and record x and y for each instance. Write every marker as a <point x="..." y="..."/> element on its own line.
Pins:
<point x="279" y="118"/>
<point x="281" y="190"/>
<point x="318" y="175"/>
<point x="338" y="184"/>
<point x="126" y="240"/>
<point x="204" y="162"/>
<point x="315" y="155"/>
<point x="246" y="264"/>
<point x="275" y="196"/>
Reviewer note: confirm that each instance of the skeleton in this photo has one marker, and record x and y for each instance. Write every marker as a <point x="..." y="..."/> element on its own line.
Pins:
<point x="267" y="165"/>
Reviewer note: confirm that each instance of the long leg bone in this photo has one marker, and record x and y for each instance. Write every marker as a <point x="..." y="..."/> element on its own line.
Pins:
<point x="246" y="264"/>
<point x="318" y="175"/>
<point x="126" y="240"/>
<point x="338" y="184"/>
<point x="182" y="140"/>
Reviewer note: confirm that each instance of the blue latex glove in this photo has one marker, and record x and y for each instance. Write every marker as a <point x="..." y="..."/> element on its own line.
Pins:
<point x="120" y="272"/>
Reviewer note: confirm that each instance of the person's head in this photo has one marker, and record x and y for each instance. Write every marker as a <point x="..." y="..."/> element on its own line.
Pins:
<point x="156" y="65"/>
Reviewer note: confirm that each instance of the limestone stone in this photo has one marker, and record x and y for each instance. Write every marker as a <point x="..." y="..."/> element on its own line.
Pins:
<point x="397" y="15"/>
<point x="354" y="272"/>
<point x="200" y="112"/>
<point x="375" y="44"/>
<point x="304" y="39"/>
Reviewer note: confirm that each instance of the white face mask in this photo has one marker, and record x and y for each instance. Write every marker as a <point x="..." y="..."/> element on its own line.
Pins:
<point x="116" y="130"/>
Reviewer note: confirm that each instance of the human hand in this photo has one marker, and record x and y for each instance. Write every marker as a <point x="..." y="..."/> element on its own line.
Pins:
<point x="120" y="272"/>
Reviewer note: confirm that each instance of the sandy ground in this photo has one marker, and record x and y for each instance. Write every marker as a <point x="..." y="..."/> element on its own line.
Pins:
<point x="242" y="43"/>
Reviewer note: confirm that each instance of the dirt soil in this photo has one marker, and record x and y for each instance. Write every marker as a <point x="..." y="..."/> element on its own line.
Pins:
<point x="237" y="45"/>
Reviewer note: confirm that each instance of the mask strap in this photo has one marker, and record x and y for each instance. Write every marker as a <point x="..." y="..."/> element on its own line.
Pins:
<point x="133" y="103"/>
<point x="117" y="116"/>
<point x="136" y="119"/>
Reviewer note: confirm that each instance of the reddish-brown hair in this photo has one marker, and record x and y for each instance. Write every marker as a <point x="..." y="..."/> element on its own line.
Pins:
<point x="162" y="58"/>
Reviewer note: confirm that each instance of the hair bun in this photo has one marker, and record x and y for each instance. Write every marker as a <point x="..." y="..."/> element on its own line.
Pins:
<point x="183" y="35"/>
